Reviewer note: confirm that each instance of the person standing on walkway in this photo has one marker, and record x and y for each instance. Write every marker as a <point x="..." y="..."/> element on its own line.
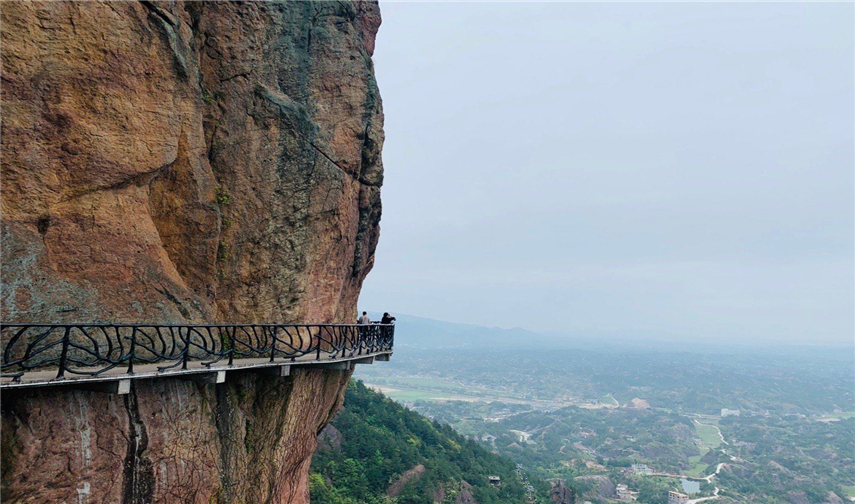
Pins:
<point x="363" y="321"/>
<point x="387" y="331"/>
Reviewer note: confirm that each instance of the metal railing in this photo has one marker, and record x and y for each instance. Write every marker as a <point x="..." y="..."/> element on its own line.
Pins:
<point x="89" y="350"/>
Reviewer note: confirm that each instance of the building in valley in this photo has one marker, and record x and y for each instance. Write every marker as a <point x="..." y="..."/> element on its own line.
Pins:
<point x="677" y="498"/>
<point x="641" y="469"/>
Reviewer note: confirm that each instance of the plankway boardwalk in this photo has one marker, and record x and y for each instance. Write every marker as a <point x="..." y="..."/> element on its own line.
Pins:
<point x="108" y="357"/>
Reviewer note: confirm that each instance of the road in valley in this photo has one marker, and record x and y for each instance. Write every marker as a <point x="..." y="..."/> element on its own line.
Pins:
<point x="709" y="477"/>
<point x="714" y="427"/>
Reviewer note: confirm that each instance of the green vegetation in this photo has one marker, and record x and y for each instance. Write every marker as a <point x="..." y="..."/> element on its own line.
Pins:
<point x="768" y="458"/>
<point x="708" y="435"/>
<point x="223" y="197"/>
<point x="698" y="469"/>
<point x="382" y="440"/>
<point x="770" y="468"/>
<point x="652" y="490"/>
<point x="223" y="253"/>
<point x="418" y="395"/>
<point x="207" y="98"/>
<point x="550" y="410"/>
<point x="562" y="442"/>
<point x="491" y="364"/>
<point x="410" y="388"/>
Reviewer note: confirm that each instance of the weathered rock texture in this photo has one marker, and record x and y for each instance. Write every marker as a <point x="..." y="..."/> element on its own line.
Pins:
<point x="170" y="161"/>
<point x="561" y="494"/>
<point x="601" y="487"/>
<point x="398" y="485"/>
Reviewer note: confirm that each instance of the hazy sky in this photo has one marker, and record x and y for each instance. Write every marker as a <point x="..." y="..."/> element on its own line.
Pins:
<point x="670" y="170"/>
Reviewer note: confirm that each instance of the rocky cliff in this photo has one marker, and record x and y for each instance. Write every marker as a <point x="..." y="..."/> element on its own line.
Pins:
<point x="167" y="162"/>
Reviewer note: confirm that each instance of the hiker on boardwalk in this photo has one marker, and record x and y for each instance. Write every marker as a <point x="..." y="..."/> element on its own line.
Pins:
<point x="364" y="319"/>
<point x="387" y="319"/>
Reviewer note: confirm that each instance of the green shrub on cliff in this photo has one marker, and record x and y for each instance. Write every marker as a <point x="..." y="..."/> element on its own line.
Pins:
<point x="381" y="440"/>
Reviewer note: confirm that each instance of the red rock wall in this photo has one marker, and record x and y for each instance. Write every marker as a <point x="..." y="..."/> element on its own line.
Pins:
<point x="172" y="161"/>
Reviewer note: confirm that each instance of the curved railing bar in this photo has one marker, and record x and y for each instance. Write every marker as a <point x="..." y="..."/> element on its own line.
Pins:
<point x="93" y="349"/>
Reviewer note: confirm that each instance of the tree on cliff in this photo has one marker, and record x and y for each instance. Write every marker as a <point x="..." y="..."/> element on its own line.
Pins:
<point x="383" y="440"/>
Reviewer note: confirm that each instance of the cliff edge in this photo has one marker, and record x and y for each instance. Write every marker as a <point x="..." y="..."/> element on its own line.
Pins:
<point x="169" y="162"/>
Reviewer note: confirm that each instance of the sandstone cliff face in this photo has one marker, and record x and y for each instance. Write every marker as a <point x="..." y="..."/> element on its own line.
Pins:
<point x="167" y="162"/>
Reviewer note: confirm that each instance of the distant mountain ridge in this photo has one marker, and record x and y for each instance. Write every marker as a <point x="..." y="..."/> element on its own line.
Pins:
<point x="425" y="332"/>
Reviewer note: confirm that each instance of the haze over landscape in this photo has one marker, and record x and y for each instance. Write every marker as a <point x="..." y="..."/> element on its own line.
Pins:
<point x="617" y="238"/>
<point x="675" y="171"/>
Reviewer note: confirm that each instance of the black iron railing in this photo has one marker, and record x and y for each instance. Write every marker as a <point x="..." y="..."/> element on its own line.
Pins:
<point x="92" y="349"/>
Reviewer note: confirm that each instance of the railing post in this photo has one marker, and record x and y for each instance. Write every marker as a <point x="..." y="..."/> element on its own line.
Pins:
<point x="369" y="337"/>
<point x="133" y="350"/>
<point x="63" y="356"/>
<point x="364" y="335"/>
<point x="272" y="343"/>
<point x="232" y="342"/>
<point x="186" y="339"/>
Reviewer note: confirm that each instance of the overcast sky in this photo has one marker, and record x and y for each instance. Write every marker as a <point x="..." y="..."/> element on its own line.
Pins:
<point x="674" y="170"/>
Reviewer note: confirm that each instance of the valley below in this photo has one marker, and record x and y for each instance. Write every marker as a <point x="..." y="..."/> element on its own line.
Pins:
<point x="637" y="421"/>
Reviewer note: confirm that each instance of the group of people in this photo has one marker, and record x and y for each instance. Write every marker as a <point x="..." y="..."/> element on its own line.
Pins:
<point x="364" y="319"/>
